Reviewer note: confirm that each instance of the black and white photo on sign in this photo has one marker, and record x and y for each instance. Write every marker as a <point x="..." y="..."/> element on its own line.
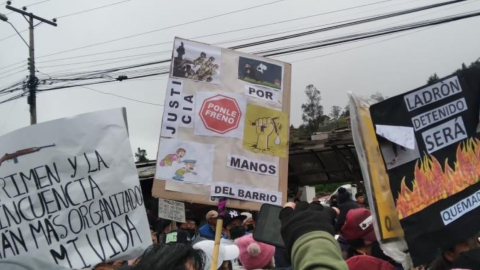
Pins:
<point x="395" y="154"/>
<point x="260" y="72"/>
<point x="196" y="61"/>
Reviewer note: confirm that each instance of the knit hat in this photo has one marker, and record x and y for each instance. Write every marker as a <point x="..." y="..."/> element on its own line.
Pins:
<point x="359" y="225"/>
<point x="363" y="262"/>
<point x="343" y="195"/>
<point x="253" y="254"/>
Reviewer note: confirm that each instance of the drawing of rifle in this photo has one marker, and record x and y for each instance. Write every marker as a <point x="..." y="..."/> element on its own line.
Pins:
<point x="22" y="152"/>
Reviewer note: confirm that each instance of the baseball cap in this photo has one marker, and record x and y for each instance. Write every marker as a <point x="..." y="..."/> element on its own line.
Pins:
<point x="211" y="214"/>
<point x="231" y="215"/>
<point x="176" y="236"/>
<point x="247" y="215"/>
<point x="359" y="225"/>
<point x="226" y="252"/>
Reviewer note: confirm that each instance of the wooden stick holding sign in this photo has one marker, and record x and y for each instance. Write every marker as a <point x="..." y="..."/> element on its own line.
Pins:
<point x="222" y="203"/>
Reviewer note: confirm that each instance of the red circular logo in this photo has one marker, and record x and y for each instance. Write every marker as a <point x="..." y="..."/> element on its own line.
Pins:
<point x="220" y="114"/>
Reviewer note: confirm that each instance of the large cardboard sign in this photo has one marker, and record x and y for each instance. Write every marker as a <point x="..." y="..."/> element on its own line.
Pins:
<point x="224" y="128"/>
<point x="70" y="192"/>
<point x="434" y="185"/>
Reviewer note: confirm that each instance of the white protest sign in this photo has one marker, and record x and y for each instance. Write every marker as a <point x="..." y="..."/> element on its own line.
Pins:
<point x="239" y="105"/>
<point x="262" y="93"/>
<point x="171" y="210"/>
<point x="403" y="136"/>
<point x="70" y="192"/>
<point x="254" y="166"/>
<point x="246" y="193"/>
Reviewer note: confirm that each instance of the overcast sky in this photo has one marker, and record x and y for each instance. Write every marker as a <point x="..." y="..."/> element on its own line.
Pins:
<point x="387" y="65"/>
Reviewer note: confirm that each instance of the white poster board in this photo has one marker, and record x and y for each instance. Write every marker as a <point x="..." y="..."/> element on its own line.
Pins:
<point x="72" y="195"/>
<point x="225" y="127"/>
<point x="171" y="210"/>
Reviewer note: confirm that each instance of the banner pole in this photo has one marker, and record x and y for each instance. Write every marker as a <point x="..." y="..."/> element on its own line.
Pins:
<point x="218" y="232"/>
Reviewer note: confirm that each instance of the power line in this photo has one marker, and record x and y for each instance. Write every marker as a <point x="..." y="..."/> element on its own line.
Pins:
<point x="218" y="33"/>
<point x="131" y="99"/>
<point x="376" y="18"/>
<point x="361" y="46"/>
<point x="92" y="9"/>
<point x="375" y="34"/>
<point x="64" y="16"/>
<point x="164" y="28"/>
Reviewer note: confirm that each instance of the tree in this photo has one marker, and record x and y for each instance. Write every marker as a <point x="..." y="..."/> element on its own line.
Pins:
<point x="312" y="115"/>
<point x="141" y="155"/>
<point x="346" y="111"/>
<point x="335" y="114"/>
<point x="377" y="96"/>
<point x="433" y="79"/>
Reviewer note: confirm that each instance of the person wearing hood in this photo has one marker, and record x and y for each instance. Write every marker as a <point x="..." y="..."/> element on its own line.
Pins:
<point x="345" y="204"/>
<point x="208" y="230"/>
<point x="364" y="251"/>
<point x="190" y="225"/>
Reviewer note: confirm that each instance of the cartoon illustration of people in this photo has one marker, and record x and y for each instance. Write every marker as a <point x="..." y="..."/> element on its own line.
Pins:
<point x="265" y="128"/>
<point x="170" y="158"/>
<point x="188" y="168"/>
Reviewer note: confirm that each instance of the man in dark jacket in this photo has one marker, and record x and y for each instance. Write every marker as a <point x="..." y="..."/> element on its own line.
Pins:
<point x="345" y="204"/>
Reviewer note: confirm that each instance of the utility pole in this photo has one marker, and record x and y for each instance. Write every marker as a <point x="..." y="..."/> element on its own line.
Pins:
<point x="32" y="80"/>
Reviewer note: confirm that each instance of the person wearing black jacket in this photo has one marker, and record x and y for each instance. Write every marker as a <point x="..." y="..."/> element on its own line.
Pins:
<point x="345" y="204"/>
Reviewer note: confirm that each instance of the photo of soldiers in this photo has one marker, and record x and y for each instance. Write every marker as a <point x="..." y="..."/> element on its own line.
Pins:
<point x="196" y="63"/>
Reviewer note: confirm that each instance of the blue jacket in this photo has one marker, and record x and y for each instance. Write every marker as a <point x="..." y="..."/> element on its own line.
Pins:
<point x="207" y="232"/>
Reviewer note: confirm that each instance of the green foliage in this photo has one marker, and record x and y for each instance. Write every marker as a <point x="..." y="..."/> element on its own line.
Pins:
<point x="433" y="79"/>
<point x="312" y="115"/>
<point x="325" y="189"/>
<point x="141" y="155"/>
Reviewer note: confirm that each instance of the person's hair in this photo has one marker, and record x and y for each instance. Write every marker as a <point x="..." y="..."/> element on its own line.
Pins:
<point x="358" y="194"/>
<point x="353" y="245"/>
<point x="439" y="263"/>
<point x="181" y="150"/>
<point x="172" y="256"/>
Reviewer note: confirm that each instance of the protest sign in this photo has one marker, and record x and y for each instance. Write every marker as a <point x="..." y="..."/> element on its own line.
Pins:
<point x="171" y="210"/>
<point x="238" y="136"/>
<point x="70" y="192"/>
<point x="435" y="184"/>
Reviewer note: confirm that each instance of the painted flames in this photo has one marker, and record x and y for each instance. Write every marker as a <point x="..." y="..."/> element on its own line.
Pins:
<point x="432" y="183"/>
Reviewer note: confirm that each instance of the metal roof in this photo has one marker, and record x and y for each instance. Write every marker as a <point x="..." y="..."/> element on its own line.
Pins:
<point x="331" y="160"/>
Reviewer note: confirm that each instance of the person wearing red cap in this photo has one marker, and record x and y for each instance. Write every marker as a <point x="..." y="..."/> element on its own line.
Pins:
<point x="364" y="251"/>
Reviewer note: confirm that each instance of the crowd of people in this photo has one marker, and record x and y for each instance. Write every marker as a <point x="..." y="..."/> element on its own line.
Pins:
<point x="340" y="237"/>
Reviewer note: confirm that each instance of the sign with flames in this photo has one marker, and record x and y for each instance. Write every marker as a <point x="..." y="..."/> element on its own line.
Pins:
<point x="430" y="143"/>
